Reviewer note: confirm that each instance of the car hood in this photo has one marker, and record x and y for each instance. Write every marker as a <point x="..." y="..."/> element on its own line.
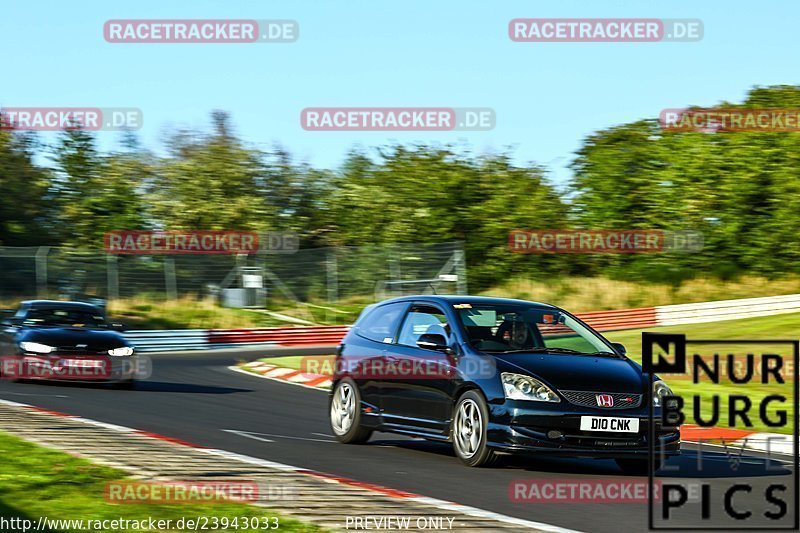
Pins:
<point x="578" y="372"/>
<point x="95" y="340"/>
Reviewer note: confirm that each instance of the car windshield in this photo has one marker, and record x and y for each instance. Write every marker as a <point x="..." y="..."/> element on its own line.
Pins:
<point x="508" y="328"/>
<point x="78" y="318"/>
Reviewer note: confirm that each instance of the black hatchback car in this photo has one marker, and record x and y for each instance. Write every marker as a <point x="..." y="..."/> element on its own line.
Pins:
<point x="495" y="376"/>
<point x="65" y="341"/>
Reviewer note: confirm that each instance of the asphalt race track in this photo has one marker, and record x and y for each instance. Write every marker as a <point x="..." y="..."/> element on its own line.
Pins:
<point x="194" y="397"/>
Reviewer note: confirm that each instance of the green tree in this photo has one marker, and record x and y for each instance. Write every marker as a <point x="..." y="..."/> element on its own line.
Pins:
<point x="96" y="193"/>
<point x="210" y="182"/>
<point x="738" y="188"/>
<point x="25" y="211"/>
<point x="427" y="194"/>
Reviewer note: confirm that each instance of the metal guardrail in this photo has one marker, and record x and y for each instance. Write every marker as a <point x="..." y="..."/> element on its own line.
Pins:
<point x="211" y="339"/>
<point x="293" y="336"/>
<point x="168" y="340"/>
<point x="646" y="317"/>
<point x="674" y="315"/>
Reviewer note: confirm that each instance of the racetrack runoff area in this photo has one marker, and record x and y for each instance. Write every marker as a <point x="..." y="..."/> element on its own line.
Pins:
<point x="328" y="501"/>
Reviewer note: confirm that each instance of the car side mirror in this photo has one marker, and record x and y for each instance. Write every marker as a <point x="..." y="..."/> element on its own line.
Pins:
<point x="433" y="341"/>
<point x="618" y="346"/>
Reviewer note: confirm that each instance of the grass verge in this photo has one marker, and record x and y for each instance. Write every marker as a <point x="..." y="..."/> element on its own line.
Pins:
<point x="770" y="327"/>
<point x="36" y="481"/>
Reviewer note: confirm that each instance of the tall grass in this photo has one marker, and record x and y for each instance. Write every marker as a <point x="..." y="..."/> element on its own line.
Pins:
<point x="185" y="312"/>
<point x="578" y="294"/>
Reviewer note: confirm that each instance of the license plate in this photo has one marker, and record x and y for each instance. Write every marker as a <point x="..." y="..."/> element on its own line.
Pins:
<point x="81" y="363"/>
<point x="610" y="424"/>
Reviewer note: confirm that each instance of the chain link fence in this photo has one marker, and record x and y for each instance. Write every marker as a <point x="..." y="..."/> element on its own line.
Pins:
<point x="317" y="275"/>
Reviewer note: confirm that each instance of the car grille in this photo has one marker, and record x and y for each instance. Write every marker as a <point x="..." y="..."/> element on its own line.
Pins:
<point x="72" y="350"/>
<point x="622" y="400"/>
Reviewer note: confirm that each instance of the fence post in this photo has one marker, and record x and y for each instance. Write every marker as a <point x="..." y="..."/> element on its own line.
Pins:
<point x="332" y="282"/>
<point x="170" y="281"/>
<point x="461" y="270"/>
<point x="112" y="273"/>
<point x="41" y="271"/>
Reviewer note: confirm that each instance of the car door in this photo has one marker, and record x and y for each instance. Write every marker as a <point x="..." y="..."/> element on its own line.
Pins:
<point x="417" y="388"/>
<point x="362" y="356"/>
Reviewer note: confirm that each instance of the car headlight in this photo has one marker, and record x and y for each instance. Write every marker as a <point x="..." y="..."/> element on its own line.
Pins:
<point x="119" y="352"/>
<point x="35" y="347"/>
<point x="660" y="390"/>
<point x="522" y="387"/>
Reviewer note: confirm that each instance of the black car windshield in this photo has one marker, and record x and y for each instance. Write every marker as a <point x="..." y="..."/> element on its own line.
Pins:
<point x="63" y="317"/>
<point x="508" y="328"/>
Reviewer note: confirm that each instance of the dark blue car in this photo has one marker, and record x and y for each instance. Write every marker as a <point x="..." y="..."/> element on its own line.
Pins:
<point x="65" y="341"/>
<point x="495" y="376"/>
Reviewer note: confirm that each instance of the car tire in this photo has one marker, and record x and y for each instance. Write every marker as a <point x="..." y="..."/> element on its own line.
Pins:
<point x="469" y="431"/>
<point x="638" y="467"/>
<point x="344" y="408"/>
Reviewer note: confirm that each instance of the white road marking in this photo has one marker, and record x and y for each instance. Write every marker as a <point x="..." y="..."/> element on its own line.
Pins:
<point x="113" y="427"/>
<point x="43" y="395"/>
<point x="736" y="448"/>
<point x="251" y="433"/>
<point x="247" y="435"/>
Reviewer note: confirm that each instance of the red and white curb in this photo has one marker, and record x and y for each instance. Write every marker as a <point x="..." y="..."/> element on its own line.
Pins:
<point x="740" y="439"/>
<point x="277" y="373"/>
<point x="385" y="491"/>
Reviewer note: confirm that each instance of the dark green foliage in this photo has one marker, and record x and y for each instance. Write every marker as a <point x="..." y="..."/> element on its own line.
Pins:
<point x="739" y="189"/>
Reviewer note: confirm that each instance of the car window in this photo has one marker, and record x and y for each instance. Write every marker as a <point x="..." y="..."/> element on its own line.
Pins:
<point x="64" y="318"/>
<point x="563" y="336"/>
<point x="502" y="327"/>
<point x="380" y="323"/>
<point x="421" y="320"/>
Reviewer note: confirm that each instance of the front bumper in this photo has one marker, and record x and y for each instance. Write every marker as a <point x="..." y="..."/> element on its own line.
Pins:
<point x="519" y="426"/>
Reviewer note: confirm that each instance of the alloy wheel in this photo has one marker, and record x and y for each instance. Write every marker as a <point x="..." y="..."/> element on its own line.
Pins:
<point x="343" y="409"/>
<point x="468" y="428"/>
